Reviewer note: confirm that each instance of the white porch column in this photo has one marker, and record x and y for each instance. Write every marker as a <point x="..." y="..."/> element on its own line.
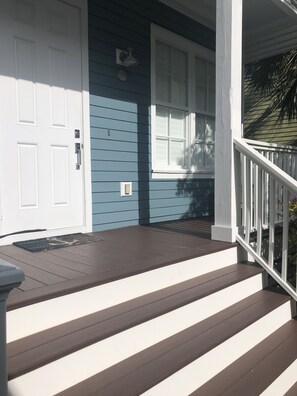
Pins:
<point x="228" y="115"/>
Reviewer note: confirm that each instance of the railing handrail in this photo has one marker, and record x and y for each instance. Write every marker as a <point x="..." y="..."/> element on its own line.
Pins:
<point x="282" y="177"/>
<point x="270" y="146"/>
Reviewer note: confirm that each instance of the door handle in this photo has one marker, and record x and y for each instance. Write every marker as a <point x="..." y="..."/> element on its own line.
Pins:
<point x="78" y="154"/>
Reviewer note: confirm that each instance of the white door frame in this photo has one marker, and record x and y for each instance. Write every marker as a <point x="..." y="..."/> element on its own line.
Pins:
<point x="83" y="6"/>
<point x="86" y="158"/>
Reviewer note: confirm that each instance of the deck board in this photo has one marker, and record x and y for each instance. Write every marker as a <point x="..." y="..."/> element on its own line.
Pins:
<point x="51" y="267"/>
<point x="122" y="252"/>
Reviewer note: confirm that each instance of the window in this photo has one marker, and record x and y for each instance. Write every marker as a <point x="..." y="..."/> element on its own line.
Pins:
<point x="204" y="115"/>
<point x="183" y="105"/>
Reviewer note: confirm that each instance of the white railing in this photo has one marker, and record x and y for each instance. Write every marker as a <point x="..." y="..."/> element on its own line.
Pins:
<point x="259" y="185"/>
<point x="285" y="157"/>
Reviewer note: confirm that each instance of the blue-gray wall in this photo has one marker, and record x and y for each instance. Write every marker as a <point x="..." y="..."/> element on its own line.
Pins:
<point x="120" y="118"/>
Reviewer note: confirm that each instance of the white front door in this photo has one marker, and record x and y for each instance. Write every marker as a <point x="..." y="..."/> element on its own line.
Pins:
<point x="41" y="179"/>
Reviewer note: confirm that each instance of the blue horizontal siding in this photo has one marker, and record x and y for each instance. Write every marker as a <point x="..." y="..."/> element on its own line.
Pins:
<point x="156" y="195"/>
<point x="118" y="125"/>
<point x="118" y="115"/>
<point x="120" y="93"/>
<point x="156" y="188"/>
<point x="112" y="217"/>
<point x="113" y="196"/>
<point x="113" y="82"/>
<point x="102" y="155"/>
<point x="131" y="203"/>
<point x="176" y="202"/>
<point x="98" y="144"/>
<point x="112" y="134"/>
<point x="122" y="206"/>
<point x="120" y="118"/>
<point x="109" y="186"/>
<point x="111" y="166"/>
<point x="187" y="215"/>
<point x="115" y="177"/>
<point x="174" y="211"/>
<point x="119" y="105"/>
<point x="120" y="136"/>
<point x="113" y="225"/>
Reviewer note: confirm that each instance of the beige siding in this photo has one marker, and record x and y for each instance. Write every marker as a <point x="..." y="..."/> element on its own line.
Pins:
<point x="261" y="124"/>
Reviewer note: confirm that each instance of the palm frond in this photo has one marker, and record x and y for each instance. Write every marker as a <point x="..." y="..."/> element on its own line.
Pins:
<point x="275" y="78"/>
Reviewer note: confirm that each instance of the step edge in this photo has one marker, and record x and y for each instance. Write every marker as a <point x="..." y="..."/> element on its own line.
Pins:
<point x="228" y="279"/>
<point x="252" y="284"/>
<point x="252" y="362"/>
<point x="70" y="286"/>
<point x="201" y="362"/>
<point x="90" y="300"/>
<point x="284" y="382"/>
<point x="278" y="313"/>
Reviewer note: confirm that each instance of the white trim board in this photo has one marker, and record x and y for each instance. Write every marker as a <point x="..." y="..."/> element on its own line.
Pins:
<point x="203" y="17"/>
<point x="83" y="6"/>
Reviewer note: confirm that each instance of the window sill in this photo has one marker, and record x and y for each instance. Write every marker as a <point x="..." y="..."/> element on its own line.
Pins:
<point x="158" y="174"/>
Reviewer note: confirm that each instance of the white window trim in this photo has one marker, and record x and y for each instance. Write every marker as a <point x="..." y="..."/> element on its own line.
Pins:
<point x="193" y="49"/>
<point x="172" y="175"/>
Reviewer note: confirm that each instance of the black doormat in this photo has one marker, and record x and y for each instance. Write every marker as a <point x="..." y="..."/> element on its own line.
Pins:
<point x="43" y="244"/>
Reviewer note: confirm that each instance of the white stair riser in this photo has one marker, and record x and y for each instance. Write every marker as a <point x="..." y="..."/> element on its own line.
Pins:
<point x="80" y="365"/>
<point x="44" y="315"/>
<point x="191" y="377"/>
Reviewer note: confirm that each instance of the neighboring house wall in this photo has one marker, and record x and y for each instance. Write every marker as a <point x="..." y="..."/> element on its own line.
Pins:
<point x="120" y="118"/>
<point x="262" y="124"/>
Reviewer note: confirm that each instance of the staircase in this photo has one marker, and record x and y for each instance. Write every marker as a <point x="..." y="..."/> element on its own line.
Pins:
<point x="204" y="326"/>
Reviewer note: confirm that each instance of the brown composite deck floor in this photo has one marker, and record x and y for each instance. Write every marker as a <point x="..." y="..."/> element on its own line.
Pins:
<point x="122" y="252"/>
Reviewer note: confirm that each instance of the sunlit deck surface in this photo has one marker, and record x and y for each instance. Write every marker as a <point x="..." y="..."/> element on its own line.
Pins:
<point x="122" y="252"/>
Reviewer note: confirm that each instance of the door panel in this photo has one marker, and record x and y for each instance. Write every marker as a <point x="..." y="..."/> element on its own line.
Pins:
<point x="60" y="176"/>
<point x="27" y="175"/>
<point x="40" y="108"/>
<point x="25" y="81"/>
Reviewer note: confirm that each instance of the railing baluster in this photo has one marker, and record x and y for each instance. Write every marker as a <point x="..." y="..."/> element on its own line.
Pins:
<point x="285" y="234"/>
<point x="248" y="201"/>
<point x="271" y="222"/>
<point x="260" y="212"/>
<point x="278" y="189"/>
<point x="238" y="184"/>
<point x="244" y="192"/>
<point x="289" y="163"/>
<point x="255" y="195"/>
<point x="266" y="200"/>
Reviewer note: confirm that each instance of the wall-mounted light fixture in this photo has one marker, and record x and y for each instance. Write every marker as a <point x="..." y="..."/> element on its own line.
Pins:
<point x="125" y="57"/>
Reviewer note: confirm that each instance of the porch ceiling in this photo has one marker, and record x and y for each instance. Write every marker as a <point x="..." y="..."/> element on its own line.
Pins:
<point x="269" y="26"/>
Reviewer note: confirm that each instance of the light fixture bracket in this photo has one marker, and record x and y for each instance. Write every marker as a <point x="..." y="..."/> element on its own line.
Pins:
<point x="125" y="58"/>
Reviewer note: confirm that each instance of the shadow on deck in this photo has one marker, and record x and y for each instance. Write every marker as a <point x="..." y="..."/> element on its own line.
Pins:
<point x="122" y="252"/>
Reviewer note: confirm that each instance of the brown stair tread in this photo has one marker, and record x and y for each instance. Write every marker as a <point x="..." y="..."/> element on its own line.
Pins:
<point x="123" y="253"/>
<point x="257" y="369"/>
<point x="135" y="375"/>
<point x="42" y="348"/>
